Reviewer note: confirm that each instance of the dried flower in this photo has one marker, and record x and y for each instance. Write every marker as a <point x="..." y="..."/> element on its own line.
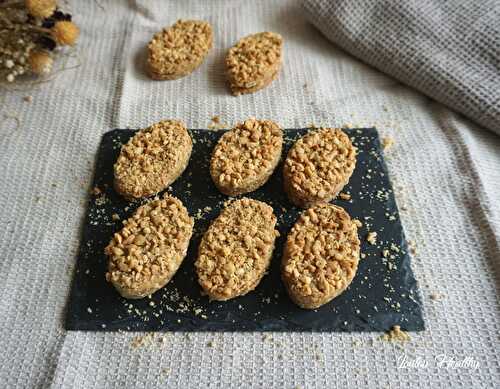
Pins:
<point x="30" y="31"/>
<point x="40" y="8"/>
<point x="40" y="62"/>
<point x="65" y="32"/>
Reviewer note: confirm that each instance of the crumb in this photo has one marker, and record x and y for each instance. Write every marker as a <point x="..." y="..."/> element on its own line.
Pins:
<point x="413" y="247"/>
<point x="436" y="296"/>
<point x="345" y="196"/>
<point x="210" y="344"/>
<point x="28" y="99"/>
<point x="96" y="191"/>
<point x="371" y="237"/>
<point x="115" y="217"/>
<point x="396" y="334"/>
<point x="358" y="223"/>
<point x="142" y="340"/>
<point x="89" y="310"/>
<point x="216" y="123"/>
<point x="387" y="142"/>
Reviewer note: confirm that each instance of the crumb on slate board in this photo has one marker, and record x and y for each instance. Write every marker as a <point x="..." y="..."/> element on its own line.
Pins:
<point x="172" y="301"/>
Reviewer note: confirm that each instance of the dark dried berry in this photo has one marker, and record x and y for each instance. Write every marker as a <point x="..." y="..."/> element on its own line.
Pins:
<point x="58" y="15"/>
<point x="48" y="23"/>
<point x="47" y="43"/>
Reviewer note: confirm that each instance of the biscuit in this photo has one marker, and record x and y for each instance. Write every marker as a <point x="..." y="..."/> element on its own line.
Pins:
<point x="236" y="250"/>
<point x="318" y="166"/>
<point x="321" y="255"/>
<point x="254" y="62"/>
<point x="178" y="50"/>
<point x="149" y="249"/>
<point x="152" y="159"/>
<point x="246" y="156"/>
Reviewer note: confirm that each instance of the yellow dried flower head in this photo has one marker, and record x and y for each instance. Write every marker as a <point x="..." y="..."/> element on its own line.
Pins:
<point x="40" y="8"/>
<point x="40" y="62"/>
<point x="65" y="32"/>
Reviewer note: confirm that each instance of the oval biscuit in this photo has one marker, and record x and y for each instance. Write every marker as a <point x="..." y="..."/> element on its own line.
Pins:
<point x="254" y="62"/>
<point x="318" y="166"/>
<point x="236" y="250"/>
<point x="152" y="159"/>
<point x="176" y="51"/>
<point x="246" y="156"/>
<point x="321" y="256"/>
<point x="149" y="249"/>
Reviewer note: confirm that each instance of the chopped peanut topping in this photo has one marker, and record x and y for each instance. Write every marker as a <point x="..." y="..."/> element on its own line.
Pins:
<point x="246" y="156"/>
<point x="321" y="255"/>
<point x="152" y="159"/>
<point x="236" y="250"/>
<point x="254" y="61"/>
<point x="179" y="49"/>
<point x="318" y="166"/>
<point x="149" y="249"/>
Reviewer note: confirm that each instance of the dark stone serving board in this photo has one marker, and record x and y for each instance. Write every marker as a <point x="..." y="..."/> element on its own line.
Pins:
<point x="383" y="293"/>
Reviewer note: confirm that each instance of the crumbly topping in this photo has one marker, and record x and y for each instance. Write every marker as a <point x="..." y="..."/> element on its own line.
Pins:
<point x="152" y="159"/>
<point x="321" y="253"/>
<point x="236" y="249"/>
<point x="254" y="58"/>
<point x="248" y="151"/>
<point x="151" y="245"/>
<point x="318" y="163"/>
<point x="179" y="46"/>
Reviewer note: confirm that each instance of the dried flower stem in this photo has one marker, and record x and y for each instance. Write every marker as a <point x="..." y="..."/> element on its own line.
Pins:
<point x="11" y="4"/>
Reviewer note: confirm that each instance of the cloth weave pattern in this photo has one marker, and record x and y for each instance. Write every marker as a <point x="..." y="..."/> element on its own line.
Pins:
<point x="448" y="50"/>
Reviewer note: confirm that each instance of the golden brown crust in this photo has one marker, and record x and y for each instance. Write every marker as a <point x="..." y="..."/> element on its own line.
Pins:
<point x="321" y="255"/>
<point x="149" y="249"/>
<point x="254" y="62"/>
<point x="178" y="50"/>
<point x="246" y="156"/>
<point x="236" y="250"/>
<point x="318" y="166"/>
<point x="152" y="159"/>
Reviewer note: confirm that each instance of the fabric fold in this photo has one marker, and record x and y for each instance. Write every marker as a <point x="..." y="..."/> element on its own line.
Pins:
<point x="448" y="50"/>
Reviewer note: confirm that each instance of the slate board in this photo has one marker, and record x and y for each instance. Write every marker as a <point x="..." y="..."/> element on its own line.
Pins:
<point x="381" y="295"/>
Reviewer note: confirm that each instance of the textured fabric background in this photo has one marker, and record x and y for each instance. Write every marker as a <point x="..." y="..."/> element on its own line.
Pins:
<point x="446" y="170"/>
<point x="450" y="50"/>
